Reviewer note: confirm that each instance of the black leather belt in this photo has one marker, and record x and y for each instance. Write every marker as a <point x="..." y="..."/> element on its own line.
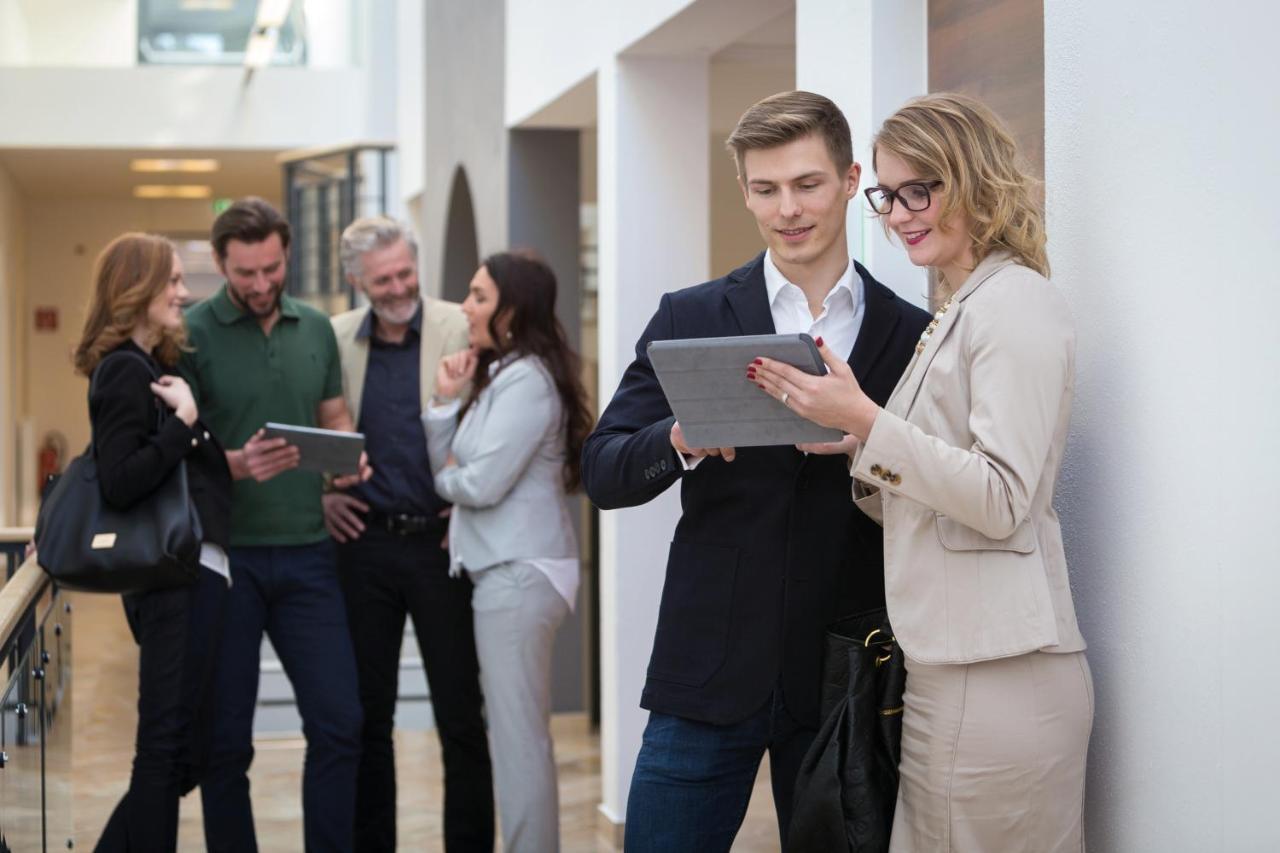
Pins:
<point x="403" y="524"/>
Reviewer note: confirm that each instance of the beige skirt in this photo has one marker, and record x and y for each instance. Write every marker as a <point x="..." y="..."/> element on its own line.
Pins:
<point x="993" y="756"/>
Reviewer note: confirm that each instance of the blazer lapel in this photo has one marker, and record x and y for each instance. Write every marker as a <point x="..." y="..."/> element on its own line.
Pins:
<point x="904" y="396"/>
<point x="355" y="361"/>
<point x="431" y="348"/>
<point x="749" y="299"/>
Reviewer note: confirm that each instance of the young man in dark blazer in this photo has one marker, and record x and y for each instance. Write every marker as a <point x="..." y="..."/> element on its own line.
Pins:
<point x="770" y="548"/>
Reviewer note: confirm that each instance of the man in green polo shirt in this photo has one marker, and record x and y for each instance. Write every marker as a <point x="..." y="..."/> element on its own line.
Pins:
<point x="257" y="356"/>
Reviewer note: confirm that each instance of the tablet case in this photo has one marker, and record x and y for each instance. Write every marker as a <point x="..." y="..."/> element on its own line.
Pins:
<point x="324" y="450"/>
<point x="705" y="382"/>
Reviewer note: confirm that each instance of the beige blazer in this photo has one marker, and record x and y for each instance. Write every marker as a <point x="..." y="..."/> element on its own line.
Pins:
<point x="965" y="456"/>
<point x="444" y="331"/>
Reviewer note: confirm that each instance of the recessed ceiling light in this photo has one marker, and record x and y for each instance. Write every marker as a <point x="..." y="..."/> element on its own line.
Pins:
<point x="173" y="165"/>
<point x="172" y="191"/>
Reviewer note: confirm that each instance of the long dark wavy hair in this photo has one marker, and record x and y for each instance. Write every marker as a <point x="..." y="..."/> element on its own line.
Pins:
<point x="527" y="299"/>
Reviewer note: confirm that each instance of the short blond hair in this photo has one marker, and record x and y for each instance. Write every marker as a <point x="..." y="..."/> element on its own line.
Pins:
<point x="786" y="117"/>
<point x="959" y="141"/>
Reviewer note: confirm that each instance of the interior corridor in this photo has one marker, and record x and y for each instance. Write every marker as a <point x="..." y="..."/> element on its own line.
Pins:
<point x="104" y="689"/>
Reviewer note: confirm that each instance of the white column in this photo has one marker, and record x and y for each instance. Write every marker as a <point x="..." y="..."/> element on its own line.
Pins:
<point x="654" y="182"/>
<point x="1161" y="197"/>
<point x="869" y="56"/>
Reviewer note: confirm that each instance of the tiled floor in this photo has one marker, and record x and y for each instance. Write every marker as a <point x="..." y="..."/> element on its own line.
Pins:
<point x="104" y="695"/>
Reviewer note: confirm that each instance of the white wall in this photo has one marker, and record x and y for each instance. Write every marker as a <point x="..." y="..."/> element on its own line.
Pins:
<point x="654" y="125"/>
<point x="869" y="57"/>
<point x="553" y="44"/>
<point x="63" y="237"/>
<point x="1162" y="180"/>
<point x="69" y="33"/>
<point x="180" y="107"/>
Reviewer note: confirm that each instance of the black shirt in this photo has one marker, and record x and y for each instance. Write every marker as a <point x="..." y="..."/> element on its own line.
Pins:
<point x="390" y="418"/>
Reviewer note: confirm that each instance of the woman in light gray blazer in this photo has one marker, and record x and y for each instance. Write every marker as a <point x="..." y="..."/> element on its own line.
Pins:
<point x="960" y="467"/>
<point x="507" y="456"/>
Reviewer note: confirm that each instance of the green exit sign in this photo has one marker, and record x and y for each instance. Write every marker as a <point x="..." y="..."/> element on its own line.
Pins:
<point x="221" y="204"/>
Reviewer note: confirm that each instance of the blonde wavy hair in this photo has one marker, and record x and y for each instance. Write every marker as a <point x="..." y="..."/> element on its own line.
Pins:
<point x="959" y="141"/>
<point x="131" y="271"/>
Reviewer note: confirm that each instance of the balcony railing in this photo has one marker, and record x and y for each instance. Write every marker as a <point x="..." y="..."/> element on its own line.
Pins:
<point x="35" y="707"/>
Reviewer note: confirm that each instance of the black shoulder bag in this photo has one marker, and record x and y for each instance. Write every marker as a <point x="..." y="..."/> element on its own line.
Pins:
<point x="847" y="786"/>
<point x="86" y="544"/>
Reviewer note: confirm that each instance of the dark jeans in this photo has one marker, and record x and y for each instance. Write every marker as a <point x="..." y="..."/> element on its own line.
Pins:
<point x="692" y="782"/>
<point x="386" y="577"/>
<point x="178" y="632"/>
<point x="291" y="593"/>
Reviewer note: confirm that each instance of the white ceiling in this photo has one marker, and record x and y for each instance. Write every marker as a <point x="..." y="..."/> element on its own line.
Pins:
<point x="104" y="173"/>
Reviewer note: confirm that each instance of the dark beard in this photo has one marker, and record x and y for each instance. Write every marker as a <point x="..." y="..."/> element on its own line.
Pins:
<point x="247" y="309"/>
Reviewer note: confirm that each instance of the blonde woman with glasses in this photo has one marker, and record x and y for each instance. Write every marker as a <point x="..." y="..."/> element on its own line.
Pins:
<point x="960" y="467"/>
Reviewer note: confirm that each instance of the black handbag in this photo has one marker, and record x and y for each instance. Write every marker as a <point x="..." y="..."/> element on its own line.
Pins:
<point x="848" y="782"/>
<point x="86" y="544"/>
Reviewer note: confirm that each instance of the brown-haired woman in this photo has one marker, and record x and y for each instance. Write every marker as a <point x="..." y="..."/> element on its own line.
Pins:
<point x="507" y="466"/>
<point x="960" y="467"/>
<point x="144" y="424"/>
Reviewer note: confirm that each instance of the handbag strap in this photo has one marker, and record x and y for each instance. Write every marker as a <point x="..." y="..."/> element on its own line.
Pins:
<point x="161" y="412"/>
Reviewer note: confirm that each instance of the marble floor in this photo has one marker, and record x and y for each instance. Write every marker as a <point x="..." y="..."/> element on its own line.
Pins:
<point x="104" y="695"/>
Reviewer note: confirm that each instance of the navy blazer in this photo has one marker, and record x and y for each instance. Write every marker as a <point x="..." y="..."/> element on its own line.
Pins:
<point x="770" y="548"/>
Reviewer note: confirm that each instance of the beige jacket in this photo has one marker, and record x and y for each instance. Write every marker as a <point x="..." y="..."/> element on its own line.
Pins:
<point x="965" y="456"/>
<point x="444" y="331"/>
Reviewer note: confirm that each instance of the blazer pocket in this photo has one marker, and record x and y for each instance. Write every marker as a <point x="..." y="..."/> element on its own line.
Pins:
<point x="955" y="536"/>
<point x="697" y="609"/>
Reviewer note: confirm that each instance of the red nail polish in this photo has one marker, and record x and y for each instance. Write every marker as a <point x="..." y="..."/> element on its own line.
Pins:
<point x="758" y="385"/>
<point x="818" y="342"/>
<point x="757" y="361"/>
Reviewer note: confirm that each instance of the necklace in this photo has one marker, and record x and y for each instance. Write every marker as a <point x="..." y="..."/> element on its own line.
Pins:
<point x="933" y="324"/>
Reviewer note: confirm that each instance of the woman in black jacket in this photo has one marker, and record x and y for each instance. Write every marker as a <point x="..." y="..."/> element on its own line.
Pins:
<point x="144" y="424"/>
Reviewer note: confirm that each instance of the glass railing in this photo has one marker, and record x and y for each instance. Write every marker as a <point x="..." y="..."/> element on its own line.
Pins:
<point x="35" y="713"/>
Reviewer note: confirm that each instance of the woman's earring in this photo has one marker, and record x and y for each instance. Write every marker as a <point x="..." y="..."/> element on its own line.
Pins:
<point x="509" y="335"/>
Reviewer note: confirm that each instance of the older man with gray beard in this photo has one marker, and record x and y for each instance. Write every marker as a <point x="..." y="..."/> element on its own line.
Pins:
<point x="390" y="533"/>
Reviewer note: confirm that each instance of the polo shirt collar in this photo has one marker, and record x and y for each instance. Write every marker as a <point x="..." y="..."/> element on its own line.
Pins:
<point x="365" y="331"/>
<point x="227" y="312"/>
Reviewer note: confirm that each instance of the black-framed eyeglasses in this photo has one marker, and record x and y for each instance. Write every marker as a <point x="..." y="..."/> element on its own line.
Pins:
<point x="915" y="196"/>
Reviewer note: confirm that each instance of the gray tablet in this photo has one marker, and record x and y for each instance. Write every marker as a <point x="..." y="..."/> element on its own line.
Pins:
<point x="705" y="380"/>
<point x="323" y="450"/>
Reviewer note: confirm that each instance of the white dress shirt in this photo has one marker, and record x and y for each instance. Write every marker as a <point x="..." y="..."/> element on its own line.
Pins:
<point x="842" y="309"/>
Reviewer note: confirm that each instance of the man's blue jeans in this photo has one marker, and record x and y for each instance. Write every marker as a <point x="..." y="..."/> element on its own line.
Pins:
<point x="291" y="593"/>
<point x="693" y="780"/>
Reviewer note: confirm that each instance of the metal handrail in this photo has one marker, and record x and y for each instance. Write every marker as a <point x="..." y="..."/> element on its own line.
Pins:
<point x="17" y="596"/>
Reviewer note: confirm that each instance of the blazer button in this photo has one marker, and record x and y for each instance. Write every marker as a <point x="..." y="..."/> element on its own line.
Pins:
<point x="206" y="435"/>
<point x="895" y="479"/>
<point x="663" y="465"/>
<point x="876" y="471"/>
<point x="195" y="442"/>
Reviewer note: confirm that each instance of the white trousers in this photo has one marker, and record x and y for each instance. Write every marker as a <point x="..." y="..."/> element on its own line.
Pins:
<point x="517" y="612"/>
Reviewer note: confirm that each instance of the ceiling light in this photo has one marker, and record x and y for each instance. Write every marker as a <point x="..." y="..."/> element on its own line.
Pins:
<point x="179" y="165"/>
<point x="172" y="191"/>
<point x="208" y="5"/>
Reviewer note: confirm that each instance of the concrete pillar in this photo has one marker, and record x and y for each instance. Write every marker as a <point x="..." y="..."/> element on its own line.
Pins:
<point x="869" y="57"/>
<point x="654" y="183"/>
